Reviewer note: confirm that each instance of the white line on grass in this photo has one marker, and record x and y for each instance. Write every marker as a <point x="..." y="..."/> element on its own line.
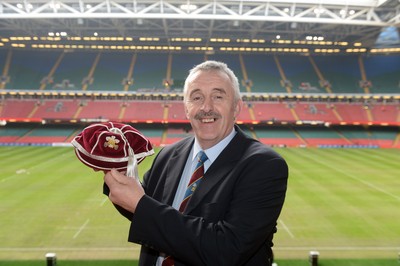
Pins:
<point x="360" y="180"/>
<point x="81" y="228"/>
<point x="369" y="184"/>
<point x="103" y="201"/>
<point x="18" y="173"/>
<point x="339" y="248"/>
<point x="136" y="247"/>
<point x="286" y="228"/>
<point x="31" y="249"/>
<point x="27" y="171"/>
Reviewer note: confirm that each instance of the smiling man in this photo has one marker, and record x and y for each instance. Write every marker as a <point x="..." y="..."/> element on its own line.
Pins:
<point x="212" y="199"/>
<point x="212" y="103"/>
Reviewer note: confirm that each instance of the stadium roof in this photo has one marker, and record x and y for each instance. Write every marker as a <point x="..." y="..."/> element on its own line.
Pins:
<point x="204" y="21"/>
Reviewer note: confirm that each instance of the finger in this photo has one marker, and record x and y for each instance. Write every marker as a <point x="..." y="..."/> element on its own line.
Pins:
<point x="108" y="178"/>
<point x="119" y="177"/>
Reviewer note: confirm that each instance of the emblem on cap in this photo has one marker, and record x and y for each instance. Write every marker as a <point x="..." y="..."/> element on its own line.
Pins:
<point x="111" y="142"/>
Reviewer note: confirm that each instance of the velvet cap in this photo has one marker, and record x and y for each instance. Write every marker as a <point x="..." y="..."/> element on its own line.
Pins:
<point x="104" y="146"/>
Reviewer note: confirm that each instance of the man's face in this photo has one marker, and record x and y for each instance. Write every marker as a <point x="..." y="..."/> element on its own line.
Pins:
<point x="210" y="106"/>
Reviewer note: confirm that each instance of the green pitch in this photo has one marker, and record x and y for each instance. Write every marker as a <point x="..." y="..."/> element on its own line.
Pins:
<point x="344" y="203"/>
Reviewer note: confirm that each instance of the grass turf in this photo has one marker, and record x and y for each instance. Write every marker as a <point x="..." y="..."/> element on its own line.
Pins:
<point x="328" y="262"/>
<point x="342" y="202"/>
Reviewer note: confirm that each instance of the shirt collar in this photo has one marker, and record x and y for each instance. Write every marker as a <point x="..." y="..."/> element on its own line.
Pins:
<point x="213" y="152"/>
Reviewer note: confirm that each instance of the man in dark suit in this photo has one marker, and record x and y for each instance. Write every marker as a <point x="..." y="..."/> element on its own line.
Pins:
<point x="231" y="216"/>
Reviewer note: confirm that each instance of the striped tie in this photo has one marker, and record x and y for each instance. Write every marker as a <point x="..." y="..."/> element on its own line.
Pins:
<point x="194" y="180"/>
<point x="193" y="184"/>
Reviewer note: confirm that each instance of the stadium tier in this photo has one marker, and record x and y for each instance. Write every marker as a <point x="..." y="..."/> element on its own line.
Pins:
<point x="277" y="123"/>
<point x="163" y="134"/>
<point x="289" y="100"/>
<point x="173" y="111"/>
<point x="263" y="73"/>
<point x="144" y="111"/>
<point x="36" y="134"/>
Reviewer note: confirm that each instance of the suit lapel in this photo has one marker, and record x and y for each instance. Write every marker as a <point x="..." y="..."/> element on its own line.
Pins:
<point x="175" y="168"/>
<point x="219" y="169"/>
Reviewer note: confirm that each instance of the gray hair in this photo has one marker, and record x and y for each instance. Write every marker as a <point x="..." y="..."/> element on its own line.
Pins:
<point x="215" y="66"/>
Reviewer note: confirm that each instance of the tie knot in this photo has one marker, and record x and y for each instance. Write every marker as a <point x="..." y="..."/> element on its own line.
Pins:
<point x="202" y="157"/>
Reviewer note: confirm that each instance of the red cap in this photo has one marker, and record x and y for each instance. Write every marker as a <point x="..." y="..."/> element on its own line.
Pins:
<point x="108" y="145"/>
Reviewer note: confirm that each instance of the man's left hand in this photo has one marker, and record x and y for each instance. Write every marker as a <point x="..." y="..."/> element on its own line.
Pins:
<point x="124" y="191"/>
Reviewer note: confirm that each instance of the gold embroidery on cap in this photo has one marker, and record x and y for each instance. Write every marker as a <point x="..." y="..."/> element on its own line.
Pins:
<point x="111" y="142"/>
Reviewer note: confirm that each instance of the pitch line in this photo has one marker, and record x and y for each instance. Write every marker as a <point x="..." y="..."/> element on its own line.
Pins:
<point x="81" y="229"/>
<point x="27" y="170"/>
<point x="369" y="184"/>
<point x="338" y="248"/>
<point x="34" y="249"/>
<point x="137" y="247"/>
<point x="286" y="228"/>
<point x="360" y="180"/>
<point x="103" y="201"/>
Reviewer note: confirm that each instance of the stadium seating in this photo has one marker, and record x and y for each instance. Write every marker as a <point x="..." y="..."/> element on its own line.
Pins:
<point x="273" y="111"/>
<point x="342" y="72"/>
<point x="18" y="109"/>
<point x="384" y="112"/>
<point x="383" y="79"/>
<point x="55" y="109"/>
<point x="315" y="112"/>
<point x="150" y="71"/>
<point x="145" y="111"/>
<point x="72" y="70"/>
<point x="263" y="74"/>
<point x="181" y="64"/>
<point x="12" y="133"/>
<point x="36" y="134"/>
<point x="176" y="112"/>
<point x="280" y="121"/>
<point x="111" y="71"/>
<point x="381" y="137"/>
<point x="278" y="136"/>
<point x="173" y="111"/>
<point x="28" y="70"/>
<point x="99" y="110"/>
<point x="47" y="134"/>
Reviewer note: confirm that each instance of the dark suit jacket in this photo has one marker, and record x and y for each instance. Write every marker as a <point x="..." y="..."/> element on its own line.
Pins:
<point x="230" y="219"/>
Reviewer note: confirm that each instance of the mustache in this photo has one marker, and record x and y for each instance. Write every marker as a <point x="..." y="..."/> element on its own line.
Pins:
<point x="202" y="114"/>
